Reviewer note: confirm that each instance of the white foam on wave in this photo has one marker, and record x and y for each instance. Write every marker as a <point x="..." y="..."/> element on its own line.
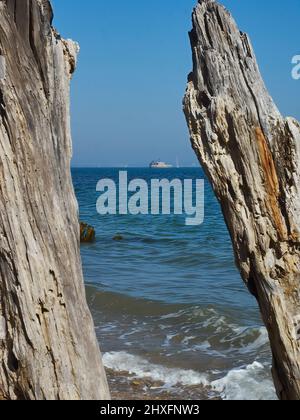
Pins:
<point x="257" y="344"/>
<point x="250" y="383"/>
<point x="141" y="368"/>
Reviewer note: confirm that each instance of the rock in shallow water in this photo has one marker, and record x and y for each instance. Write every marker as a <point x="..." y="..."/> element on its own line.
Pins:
<point x="118" y="237"/>
<point x="87" y="233"/>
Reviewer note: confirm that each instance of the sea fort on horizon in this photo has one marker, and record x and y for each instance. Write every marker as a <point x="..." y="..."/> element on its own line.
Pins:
<point x="158" y="196"/>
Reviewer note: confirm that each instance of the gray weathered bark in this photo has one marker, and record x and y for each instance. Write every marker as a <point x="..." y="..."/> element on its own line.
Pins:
<point x="48" y="348"/>
<point x="251" y="155"/>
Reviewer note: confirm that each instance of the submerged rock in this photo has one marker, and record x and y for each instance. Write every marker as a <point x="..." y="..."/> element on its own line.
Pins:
<point x="118" y="237"/>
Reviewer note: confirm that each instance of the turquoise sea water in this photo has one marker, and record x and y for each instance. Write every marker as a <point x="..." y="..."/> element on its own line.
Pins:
<point x="167" y="300"/>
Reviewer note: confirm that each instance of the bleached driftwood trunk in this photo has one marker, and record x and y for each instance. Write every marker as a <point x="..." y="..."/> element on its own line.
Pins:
<point x="251" y="155"/>
<point x="48" y="348"/>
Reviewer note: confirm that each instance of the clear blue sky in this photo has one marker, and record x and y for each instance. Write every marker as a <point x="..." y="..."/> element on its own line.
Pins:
<point x="134" y="60"/>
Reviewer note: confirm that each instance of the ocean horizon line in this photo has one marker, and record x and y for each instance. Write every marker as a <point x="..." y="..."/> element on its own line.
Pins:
<point x="133" y="167"/>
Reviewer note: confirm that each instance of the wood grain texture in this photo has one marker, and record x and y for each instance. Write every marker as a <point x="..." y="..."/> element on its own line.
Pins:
<point x="251" y="155"/>
<point x="48" y="347"/>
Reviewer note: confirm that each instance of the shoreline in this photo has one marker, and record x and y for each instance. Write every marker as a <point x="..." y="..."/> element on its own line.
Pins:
<point x="126" y="387"/>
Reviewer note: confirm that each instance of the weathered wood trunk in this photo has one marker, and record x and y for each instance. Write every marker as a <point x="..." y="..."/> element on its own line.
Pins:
<point x="48" y="348"/>
<point x="251" y="155"/>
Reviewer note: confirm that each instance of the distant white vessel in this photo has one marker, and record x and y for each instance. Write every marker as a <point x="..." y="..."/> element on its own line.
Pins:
<point x="160" y="165"/>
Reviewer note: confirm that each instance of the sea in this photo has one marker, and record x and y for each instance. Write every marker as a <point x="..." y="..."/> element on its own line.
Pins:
<point x="172" y="315"/>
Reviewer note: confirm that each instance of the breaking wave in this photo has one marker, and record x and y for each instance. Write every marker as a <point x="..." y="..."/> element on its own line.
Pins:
<point x="248" y="383"/>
